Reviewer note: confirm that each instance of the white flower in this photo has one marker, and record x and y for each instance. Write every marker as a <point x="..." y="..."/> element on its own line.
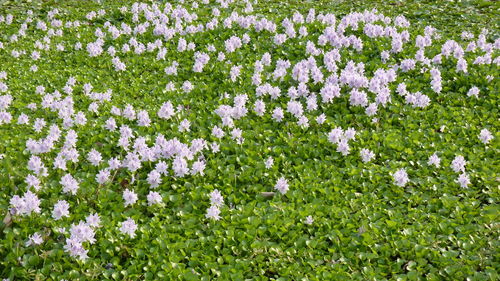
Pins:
<point x="34" y="239"/>
<point x="281" y="185"/>
<point x="130" y="197"/>
<point x="485" y="136"/>
<point x="216" y="198"/>
<point x="129" y="227"/>
<point x="61" y="209"/>
<point x="213" y="213"/>
<point x="321" y="119"/>
<point x="474" y="91"/>
<point x="434" y="160"/>
<point x="103" y="176"/>
<point x="400" y="177"/>
<point x="184" y="126"/>
<point x="93" y="220"/>
<point x="154" y="198"/>
<point x="458" y="164"/>
<point x="278" y="114"/>
<point x="309" y="220"/>
<point x="366" y="155"/>
<point x="463" y="180"/>
<point x="269" y="162"/>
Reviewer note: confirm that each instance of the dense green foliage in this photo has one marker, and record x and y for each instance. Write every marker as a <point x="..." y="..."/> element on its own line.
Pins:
<point x="365" y="227"/>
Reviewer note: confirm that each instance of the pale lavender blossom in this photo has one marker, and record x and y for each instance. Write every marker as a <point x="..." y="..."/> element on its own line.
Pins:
<point x="343" y="147"/>
<point x="366" y="155"/>
<point x="166" y="110"/>
<point x="463" y="180"/>
<point x="198" y="167"/>
<point x="216" y="198"/>
<point x="400" y="177"/>
<point x="259" y="107"/>
<point x="473" y="92"/>
<point x="309" y="220"/>
<point x="129" y="227"/>
<point x="213" y="212"/>
<point x="269" y="162"/>
<point x="34" y="239"/>
<point x="458" y="164"/>
<point x="217" y="132"/>
<point x="154" y="179"/>
<point x="434" y="160"/>
<point x="103" y="176"/>
<point x="154" y="198"/>
<point x="184" y="125"/>
<point x="335" y="135"/>
<point x="94" y="157"/>
<point x="61" y="209"/>
<point x="281" y="185"/>
<point x="278" y="114"/>
<point x="93" y="220"/>
<point x="130" y="197"/>
<point x="485" y="136"/>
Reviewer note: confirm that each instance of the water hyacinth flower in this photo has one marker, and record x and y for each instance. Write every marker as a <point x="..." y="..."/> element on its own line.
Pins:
<point x="153" y="198"/>
<point x="130" y="197"/>
<point x="61" y="209"/>
<point x="70" y="184"/>
<point x="269" y="162"/>
<point x="93" y="220"/>
<point x="128" y="227"/>
<point x="278" y="114"/>
<point x="79" y="234"/>
<point x="94" y="157"/>
<point x="434" y="160"/>
<point x="198" y="167"/>
<point x="335" y="135"/>
<point x="400" y="177"/>
<point x="473" y="92"/>
<point x="213" y="212"/>
<point x="366" y="155"/>
<point x="34" y="239"/>
<point x="321" y="119"/>
<point x="463" y="180"/>
<point x="25" y="205"/>
<point x="217" y="132"/>
<point x="154" y="179"/>
<point x="216" y="198"/>
<point x="458" y="164"/>
<point x="281" y="185"/>
<point x="309" y="220"/>
<point x="485" y="136"/>
<point x="103" y="176"/>
<point x="343" y="147"/>
<point x="30" y="180"/>
<point x="184" y="125"/>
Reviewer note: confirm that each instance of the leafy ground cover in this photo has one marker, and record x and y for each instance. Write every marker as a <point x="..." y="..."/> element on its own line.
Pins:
<point x="199" y="140"/>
